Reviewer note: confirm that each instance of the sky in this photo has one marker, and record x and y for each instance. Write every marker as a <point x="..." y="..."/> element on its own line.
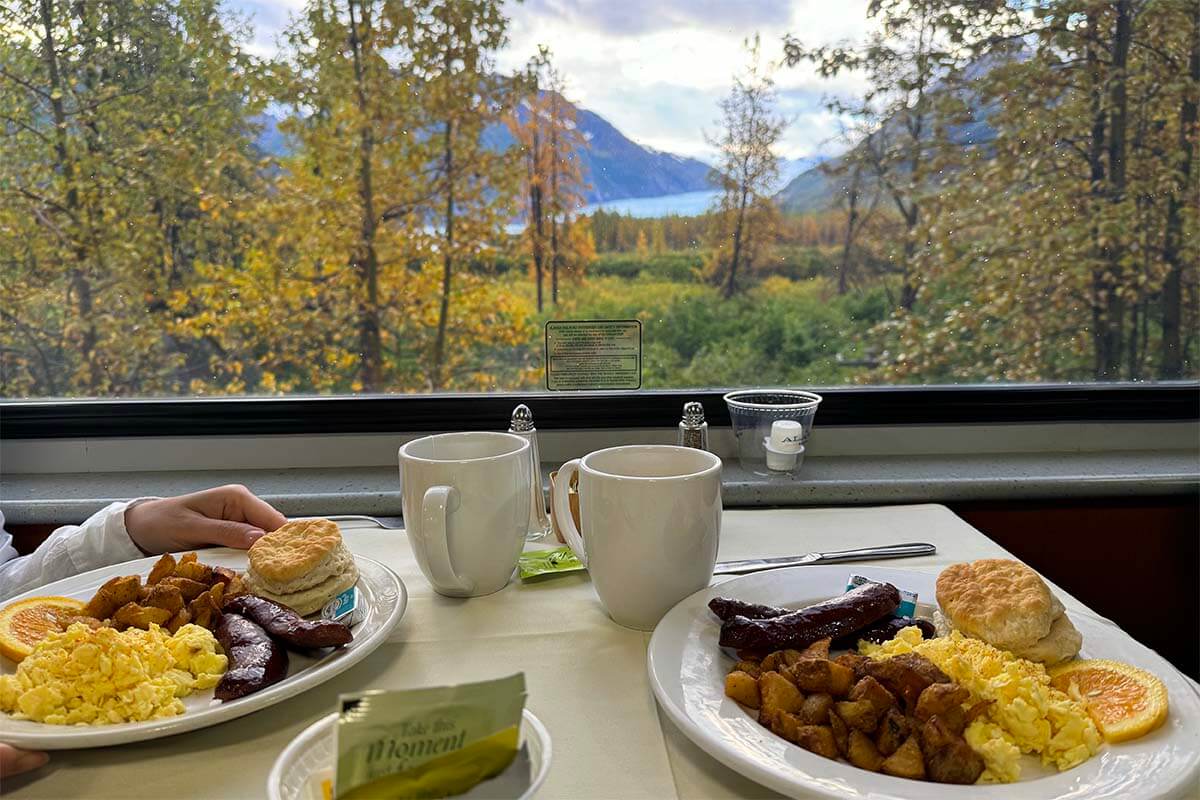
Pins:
<point x="656" y="69"/>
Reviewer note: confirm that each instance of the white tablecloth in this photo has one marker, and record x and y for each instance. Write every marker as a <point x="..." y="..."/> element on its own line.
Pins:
<point x="586" y="675"/>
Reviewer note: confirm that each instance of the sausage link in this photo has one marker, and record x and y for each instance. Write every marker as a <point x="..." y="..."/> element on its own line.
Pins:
<point x="884" y="630"/>
<point x="287" y="626"/>
<point x="728" y="608"/>
<point x="255" y="659"/>
<point x="834" y="617"/>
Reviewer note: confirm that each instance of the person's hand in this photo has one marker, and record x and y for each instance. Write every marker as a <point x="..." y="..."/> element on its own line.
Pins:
<point x="14" y="761"/>
<point x="230" y="516"/>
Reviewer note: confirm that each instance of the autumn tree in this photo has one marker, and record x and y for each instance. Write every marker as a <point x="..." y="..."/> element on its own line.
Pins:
<point x="352" y="285"/>
<point x="746" y="171"/>
<point x="1052" y="248"/>
<point x="544" y="126"/>
<point x="454" y="44"/>
<point x="125" y="156"/>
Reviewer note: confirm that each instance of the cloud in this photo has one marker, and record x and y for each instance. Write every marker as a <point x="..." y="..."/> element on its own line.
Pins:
<point x="657" y="68"/>
<point x="625" y="19"/>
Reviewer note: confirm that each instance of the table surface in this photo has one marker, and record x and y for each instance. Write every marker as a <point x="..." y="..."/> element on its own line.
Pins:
<point x="586" y="676"/>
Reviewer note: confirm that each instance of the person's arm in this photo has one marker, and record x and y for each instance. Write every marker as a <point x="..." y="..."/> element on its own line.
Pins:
<point x="70" y="550"/>
<point x="227" y="515"/>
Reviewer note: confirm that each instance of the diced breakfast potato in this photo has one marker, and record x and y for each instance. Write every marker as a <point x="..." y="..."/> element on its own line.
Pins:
<point x="938" y="698"/>
<point x="786" y="725"/>
<point x="817" y="739"/>
<point x="742" y="687"/>
<point x="841" y="734"/>
<point x="115" y="593"/>
<point x="815" y="709"/>
<point x="874" y="693"/>
<point x="751" y="668"/>
<point x="773" y="662"/>
<point x="132" y="615"/>
<point x="858" y="714"/>
<point x="789" y="657"/>
<point x="189" y="588"/>
<point x="164" y="596"/>
<point x="163" y="568"/>
<point x="819" y="675"/>
<point x="906" y="762"/>
<point x="818" y="649"/>
<point x="194" y="570"/>
<point x="893" y="730"/>
<point x="182" y="617"/>
<point x="862" y="752"/>
<point x="778" y="696"/>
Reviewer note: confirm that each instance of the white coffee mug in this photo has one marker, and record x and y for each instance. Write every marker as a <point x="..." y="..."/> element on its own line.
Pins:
<point x="651" y="520"/>
<point x="466" y="508"/>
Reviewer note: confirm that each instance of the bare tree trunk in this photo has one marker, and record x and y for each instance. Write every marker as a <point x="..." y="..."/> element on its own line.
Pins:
<point x="554" y="210"/>
<point x="439" y="342"/>
<point x="1101" y="341"/>
<point x="851" y="221"/>
<point x="1170" y="366"/>
<point x="535" y="203"/>
<point x="80" y="285"/>
<point x="365" y="258"/>
<point x="730" y="284"/>
<point x="1119" y="116"/>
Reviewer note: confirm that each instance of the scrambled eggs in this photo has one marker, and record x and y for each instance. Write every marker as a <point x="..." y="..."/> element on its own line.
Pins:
<point x="94" y="677"/>
<point x="1028" y="714"/>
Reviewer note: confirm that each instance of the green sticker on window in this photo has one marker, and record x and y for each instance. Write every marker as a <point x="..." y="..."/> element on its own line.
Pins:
<point x="594" y="354"/>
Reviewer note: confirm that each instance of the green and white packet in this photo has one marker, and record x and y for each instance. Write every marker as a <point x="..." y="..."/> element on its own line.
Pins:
<point x="542" y="563"/>
<point x="427" y="743"/>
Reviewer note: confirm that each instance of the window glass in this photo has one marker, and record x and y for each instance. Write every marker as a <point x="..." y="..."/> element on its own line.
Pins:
<point x="261" y="197"/>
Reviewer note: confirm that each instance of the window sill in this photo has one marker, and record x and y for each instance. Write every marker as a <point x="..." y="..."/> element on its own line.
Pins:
<point x="825" y="480"/>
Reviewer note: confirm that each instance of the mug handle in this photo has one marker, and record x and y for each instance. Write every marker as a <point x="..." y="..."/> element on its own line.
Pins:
<point x="437" y="505"/>
<point x="562" y="510"/>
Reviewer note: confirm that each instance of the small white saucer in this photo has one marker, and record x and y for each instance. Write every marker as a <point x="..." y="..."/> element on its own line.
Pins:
<point x="299" y="769"/>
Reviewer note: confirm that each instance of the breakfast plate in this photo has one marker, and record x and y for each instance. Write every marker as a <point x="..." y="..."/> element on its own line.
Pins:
<point x="382" y="596"/>
<point x="309" y="758"/>
<point x="687" y="670"/>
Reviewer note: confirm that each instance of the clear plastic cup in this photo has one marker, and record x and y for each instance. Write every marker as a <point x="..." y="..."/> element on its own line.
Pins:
<point x="752" y="412"/>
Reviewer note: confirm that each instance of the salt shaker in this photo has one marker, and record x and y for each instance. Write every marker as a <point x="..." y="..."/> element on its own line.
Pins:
<point x="539" y="524"/>
<point x="693" y="430"/>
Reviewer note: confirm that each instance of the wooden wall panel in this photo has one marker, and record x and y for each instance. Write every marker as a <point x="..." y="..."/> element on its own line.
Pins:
<point x="1135" y="561"/>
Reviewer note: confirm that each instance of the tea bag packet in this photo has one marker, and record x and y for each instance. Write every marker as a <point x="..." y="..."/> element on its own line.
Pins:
<point x="427" y="743"/>
<point x="534" y="564"/>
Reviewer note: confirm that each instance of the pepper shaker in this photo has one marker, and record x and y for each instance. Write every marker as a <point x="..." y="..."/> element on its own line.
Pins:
<point x="539" y="523"/>
<point x="693" y="430"/>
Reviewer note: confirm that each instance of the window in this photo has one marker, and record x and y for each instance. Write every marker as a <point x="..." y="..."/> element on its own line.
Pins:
<point x="336" y="197"/>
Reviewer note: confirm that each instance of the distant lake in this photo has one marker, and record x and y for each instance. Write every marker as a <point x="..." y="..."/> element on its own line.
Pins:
<point x="687" y="204"/>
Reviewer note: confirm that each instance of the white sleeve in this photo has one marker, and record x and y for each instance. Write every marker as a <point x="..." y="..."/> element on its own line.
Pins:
<point x="70" y="550"/>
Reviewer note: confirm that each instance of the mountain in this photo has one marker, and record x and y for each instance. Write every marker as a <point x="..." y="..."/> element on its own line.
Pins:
<point x="614" y="165"/>
<point x="813" y="190"/>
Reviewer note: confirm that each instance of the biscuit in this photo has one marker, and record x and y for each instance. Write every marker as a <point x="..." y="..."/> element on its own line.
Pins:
<point x="313" y="599"/>
<point x="1002" y="602"/>
<point x="294" y="550"/>
<point x="1060" y="644"/>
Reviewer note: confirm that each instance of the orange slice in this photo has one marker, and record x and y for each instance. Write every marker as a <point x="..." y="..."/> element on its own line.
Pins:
<point x="1125" y="702"/>
<point x="26" y="622"/>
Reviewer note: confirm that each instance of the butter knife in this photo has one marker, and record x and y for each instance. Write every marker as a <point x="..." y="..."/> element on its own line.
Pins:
<point x="907" y="550"/>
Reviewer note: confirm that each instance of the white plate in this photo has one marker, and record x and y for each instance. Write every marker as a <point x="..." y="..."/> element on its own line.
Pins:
<point x="688" y="668"/>
<point x="381" y="593"/>
<point x="310" y="757"/>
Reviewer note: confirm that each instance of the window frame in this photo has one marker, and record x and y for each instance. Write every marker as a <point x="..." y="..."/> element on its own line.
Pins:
<point x="842" y="406"/>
